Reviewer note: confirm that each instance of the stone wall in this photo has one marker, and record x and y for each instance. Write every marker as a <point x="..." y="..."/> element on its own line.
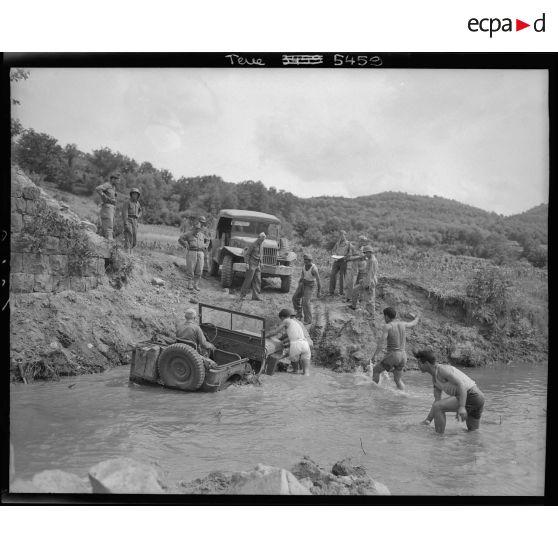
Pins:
<point x="64" y="253"/>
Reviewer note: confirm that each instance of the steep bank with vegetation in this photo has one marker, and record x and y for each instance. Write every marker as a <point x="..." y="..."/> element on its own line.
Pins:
<point x="473" y="313"/>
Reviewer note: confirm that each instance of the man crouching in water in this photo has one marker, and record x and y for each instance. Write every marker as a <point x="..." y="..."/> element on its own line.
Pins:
<point x="396" y="358"/>
<point x="464" y="396"/>
<point x="299" y="349"/>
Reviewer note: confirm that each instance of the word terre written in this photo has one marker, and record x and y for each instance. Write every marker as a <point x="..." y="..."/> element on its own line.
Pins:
<point x="307" y="60"/>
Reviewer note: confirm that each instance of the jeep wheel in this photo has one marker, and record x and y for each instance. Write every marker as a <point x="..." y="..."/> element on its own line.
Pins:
<point x="286" y="283"/>
<point x="227" y="272"/>
<point x="181" y="367"/>
<point x="213" y="268"/>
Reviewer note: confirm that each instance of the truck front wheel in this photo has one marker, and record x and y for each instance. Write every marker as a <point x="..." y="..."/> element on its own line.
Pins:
<point x="286" y="283"/>
<point x="227" y="271"/>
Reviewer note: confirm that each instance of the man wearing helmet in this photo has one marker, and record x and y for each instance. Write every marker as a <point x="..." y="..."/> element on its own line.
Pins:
<point x="191" y="331"/>
<point x="195" y="243"/>
<point x="131" y="212"/>
<point x="107" y="192"/>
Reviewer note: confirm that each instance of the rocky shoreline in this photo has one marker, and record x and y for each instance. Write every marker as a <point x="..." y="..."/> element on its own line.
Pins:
<point x="127" y="476"/>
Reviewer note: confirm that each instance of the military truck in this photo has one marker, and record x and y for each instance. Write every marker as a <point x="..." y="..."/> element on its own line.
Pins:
<point x="236" y="229"/>
<point x="241" y="351"/>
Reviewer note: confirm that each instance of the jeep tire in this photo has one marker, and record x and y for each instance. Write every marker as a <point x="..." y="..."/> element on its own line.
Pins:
<point x="181" y="367"/>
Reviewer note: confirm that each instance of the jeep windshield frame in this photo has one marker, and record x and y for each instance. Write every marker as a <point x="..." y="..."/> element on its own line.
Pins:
<point x="231" y="320"/>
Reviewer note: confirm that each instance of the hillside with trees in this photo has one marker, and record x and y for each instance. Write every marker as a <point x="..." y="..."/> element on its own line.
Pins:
<point x="393" y="221"/>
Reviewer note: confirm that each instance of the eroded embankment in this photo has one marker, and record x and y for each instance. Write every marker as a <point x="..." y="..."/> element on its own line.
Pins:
<point x="69" y="333"/>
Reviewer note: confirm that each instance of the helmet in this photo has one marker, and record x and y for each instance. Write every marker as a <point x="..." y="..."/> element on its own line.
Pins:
<point x="202" y="219"/>
<point x="115" y="174"/>
<point x="368" y="248"/>
<point x="135" y="191"/>
<point x="190" y="314"/>
<point x="307" y="257"/>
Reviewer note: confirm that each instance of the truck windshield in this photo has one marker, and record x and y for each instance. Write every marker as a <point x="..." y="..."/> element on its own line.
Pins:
<point x="254" y="228"/>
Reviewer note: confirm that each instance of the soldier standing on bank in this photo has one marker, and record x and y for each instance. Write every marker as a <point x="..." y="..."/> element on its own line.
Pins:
<point x="366" y="289"/>
<point x="107" y="192"/>
<point x="341" y="249"/>
<point x="354" y="265"/>
<point x="131" y="212"/>
<point x="303" y="295"/>
<point x="194" y="241"/>
<point x="253" y="277"/>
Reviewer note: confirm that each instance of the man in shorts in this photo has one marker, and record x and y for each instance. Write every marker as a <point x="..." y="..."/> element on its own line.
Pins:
<point x="465" y="398"/>
<point x="395" y="359"/>
<point x="299" y="348"/>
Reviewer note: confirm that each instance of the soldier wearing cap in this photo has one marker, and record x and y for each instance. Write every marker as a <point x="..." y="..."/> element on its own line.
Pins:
<point x="302" y="297"/>
<point x="341" y="249"/>
<point x="191" y="331"/>
<point x="131" y="212"/>
<point x="107" y="192"/>
<point x="194" y="241"/>
<point x="366" y="289"/>
<point x="253" y="277"/>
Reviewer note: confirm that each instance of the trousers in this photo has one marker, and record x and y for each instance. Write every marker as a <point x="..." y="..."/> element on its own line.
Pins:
<point x="130" y="233"/>
<point x="107" y="220"/>
<point x="301" y="300"/>
<point x="253" y="280"/>
<point x="367" y="297"/>
<point x="338" y="267"/>
<point x="194" y="266"/>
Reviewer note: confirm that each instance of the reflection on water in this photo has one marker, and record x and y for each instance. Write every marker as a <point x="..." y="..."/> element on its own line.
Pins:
<point x="326" y="416"/>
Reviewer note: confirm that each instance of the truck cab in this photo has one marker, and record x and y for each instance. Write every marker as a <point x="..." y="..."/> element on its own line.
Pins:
<point x="237" y="229"/>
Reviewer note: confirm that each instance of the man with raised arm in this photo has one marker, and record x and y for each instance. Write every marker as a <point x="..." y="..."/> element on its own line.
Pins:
<point x="465" y="398"/>
<point x="395" y="359"/>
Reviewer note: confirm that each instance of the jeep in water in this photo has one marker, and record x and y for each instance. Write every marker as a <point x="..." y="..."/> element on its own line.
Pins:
<point x="236" y="230"/>
<point x="241" y="350"/>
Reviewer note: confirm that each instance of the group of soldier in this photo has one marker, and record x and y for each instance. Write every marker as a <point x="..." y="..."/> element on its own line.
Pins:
<point x="354" y="268"/>
<point x="131" y="211"/>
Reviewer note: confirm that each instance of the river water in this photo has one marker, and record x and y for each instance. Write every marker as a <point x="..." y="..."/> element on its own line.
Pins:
<point x="77" y="422"/>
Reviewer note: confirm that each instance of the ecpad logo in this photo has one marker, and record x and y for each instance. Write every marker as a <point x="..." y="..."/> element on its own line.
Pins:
<point x="494" y="24"/>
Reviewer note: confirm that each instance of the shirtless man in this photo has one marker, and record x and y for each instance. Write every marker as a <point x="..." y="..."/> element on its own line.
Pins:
<point x="299" y="348"/>
<point x="395" y="358"/>
<point x="465" y="398"/>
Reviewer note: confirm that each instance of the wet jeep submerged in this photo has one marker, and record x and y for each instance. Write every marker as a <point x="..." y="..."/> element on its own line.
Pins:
<point x="236" y="230"/>
<point x="241" y="350"/>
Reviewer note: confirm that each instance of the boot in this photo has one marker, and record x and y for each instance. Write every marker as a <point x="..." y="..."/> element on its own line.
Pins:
<point x="189" y="286"/>
<point x="196" y="286"/>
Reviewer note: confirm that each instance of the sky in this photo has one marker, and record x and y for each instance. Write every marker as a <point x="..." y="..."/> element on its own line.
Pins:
<point x="476" y="136"/>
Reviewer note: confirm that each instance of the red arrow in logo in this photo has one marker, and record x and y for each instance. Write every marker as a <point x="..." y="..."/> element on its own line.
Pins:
<point x="519" y="25"/>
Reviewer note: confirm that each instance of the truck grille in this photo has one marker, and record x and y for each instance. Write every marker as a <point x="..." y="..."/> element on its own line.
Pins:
<point x="270" y="256"/>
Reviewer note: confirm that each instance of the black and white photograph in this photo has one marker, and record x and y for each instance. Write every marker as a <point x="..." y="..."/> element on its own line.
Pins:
<point x="253" y="275"/>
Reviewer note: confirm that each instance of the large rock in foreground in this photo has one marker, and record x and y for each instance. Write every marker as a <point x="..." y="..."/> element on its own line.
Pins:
<point x="266" y="480"/>
<point x="124" y="476"/>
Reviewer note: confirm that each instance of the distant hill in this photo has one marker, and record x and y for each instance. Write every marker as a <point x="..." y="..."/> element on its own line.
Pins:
<point x="393" y="221"/>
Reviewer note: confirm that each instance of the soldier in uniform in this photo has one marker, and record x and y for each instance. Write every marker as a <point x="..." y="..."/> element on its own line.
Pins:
<point x="341" y="248"/>
<point x="131" y="212"/>
<point x="107" y="192"/>
<point x="253" y="277"/>
<point x="194" y="241"/>
<point x="303" y="295"/>
<point x="353" y="260"/>
<point x="366" y="288"/>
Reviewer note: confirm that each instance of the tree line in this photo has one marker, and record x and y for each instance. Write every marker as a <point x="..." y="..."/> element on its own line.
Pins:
<point x="393" y="221"/>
